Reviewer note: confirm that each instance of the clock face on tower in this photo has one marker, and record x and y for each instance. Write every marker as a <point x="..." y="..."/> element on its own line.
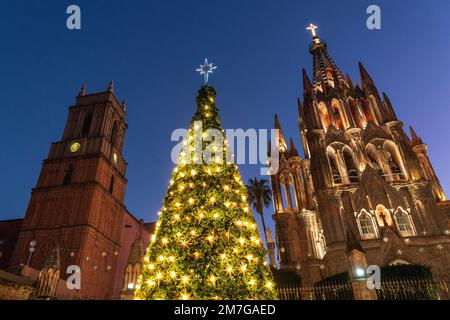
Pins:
<point x="74" y="147"/>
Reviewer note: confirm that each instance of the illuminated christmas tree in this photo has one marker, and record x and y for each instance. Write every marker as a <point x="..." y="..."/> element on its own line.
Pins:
<point x="206" y="245"/>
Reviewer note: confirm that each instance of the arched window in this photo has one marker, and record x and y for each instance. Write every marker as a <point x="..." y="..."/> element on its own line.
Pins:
<point x="324" y="116"/>
<point x="394" y="161"/>
<point x="339" y="115"/>
<point x="111" y="185"/>
<point x="404" y="223"/>
<point x="350" y="164"/>
<point x="68" y="175"/>
<point x="293" y="196"/>
<point x="368" y="111"/>
<point x="86" y="125"/>
<point x="373" y="157"/>
<point x="128" y="282"/>
<point x="334" y="167"/>
<point x="383" y="216"/>
<point x="357" y="114"/>
<point x="367" y="226"/>
<point x="136" y="272"/>
<point x="114" y="133"/>
<point x="330" y="76"/>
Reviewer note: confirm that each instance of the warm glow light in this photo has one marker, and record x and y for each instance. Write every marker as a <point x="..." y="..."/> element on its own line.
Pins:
<point x="185" y="297"/>
<point x="165" y="241"/>
<point x="173" y="274"/>
<point x="171" y="258"/>
<point x="151" y="266"/>
<point x="252" y="282"/>
<point x="269" y="285"/>
<point x="185" y="279"/>
<point x="159" y="276"/>
<point x="213" y="279"/>
<point x="161" y="258"/>
<point x="212" y="199"/>
<point x="193" y="172"/>
<point x="244" y="268"/>
<point x="191" y="201"/>
<point x="151" y="283"/>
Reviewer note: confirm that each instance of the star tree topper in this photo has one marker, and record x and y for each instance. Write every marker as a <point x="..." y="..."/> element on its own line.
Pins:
<point x="206" y="69"/>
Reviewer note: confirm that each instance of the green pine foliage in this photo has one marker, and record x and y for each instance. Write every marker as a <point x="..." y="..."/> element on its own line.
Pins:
<point x="206" y="245"/>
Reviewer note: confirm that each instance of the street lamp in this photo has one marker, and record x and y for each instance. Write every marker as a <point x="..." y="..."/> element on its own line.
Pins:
<point x="32" y="250"/>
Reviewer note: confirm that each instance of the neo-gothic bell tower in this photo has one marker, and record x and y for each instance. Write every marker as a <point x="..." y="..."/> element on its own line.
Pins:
<point x="78" y="203"/>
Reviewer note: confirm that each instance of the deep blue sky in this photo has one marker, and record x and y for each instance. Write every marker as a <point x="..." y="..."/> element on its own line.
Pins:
<point x="151" y="49"/>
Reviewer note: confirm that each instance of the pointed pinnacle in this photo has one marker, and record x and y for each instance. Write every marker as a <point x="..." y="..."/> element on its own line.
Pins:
<point x="292" y="149"/>
<point x="415" y="139"/>
<point x="277" y="122"/>
<point x="83" y="90"/>
<point x="365" y="77"/>
<point x="349" y="80"/>
<point x="307" y="86"/>
<point x="111" y="86"/>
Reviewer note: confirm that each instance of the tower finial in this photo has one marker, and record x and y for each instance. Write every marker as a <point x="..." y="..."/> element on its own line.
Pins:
<point x="83" y="90"/>
<point x="313" y="29"/>
<point x="415" y="139"/>
<point x="111" y="86"/>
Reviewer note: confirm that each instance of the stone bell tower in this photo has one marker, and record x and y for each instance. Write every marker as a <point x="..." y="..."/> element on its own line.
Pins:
<point x="78" y="202"/>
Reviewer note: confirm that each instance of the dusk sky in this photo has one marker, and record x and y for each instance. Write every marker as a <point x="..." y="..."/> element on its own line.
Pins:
<point x="152" y="48"/>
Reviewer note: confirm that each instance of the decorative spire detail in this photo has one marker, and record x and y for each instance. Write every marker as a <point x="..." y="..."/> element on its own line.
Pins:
<point x="83" y="90"/>
<point x="282" y="139"/>
<point x="366" y="79"/>
<point x="416" y="140"/>
<point x="292" y="149"/>
<point x="111" y="86"/>
<point x="307" y="86"/>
